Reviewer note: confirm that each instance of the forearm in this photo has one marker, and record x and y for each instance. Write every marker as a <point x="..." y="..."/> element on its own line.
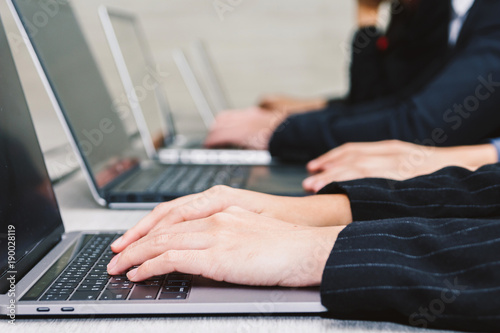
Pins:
<point x="317" y="210"/>
<point x="469" y="157"/>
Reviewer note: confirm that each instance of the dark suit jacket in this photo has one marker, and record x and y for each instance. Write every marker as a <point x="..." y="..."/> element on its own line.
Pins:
<point x="423" y="252"/>
<point x="418" y="90"/>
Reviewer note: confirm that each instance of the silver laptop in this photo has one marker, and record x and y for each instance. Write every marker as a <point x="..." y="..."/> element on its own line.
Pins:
<point x="209" y="76"/>
<point x="156" y="123"/>
<point x="50" y="272"/>
<point x="117" y="169"/>
<point x="204" y="85"/>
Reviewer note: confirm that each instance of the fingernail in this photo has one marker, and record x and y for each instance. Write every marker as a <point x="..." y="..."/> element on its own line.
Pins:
<point x="132" y="274"/>
<point x="117" y="242"/>
<point x="113" y="262"/>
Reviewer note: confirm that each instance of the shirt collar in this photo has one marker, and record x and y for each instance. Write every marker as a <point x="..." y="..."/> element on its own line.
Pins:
<point x="461" y="7"/>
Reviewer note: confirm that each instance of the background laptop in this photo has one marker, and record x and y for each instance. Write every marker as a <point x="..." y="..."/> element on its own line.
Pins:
<point x="117" y="169"/>
<point x="56" y="273"/>
<point x="205" y="88"/>
<point x="209" y="77"/>
<point x="155" y="121"/>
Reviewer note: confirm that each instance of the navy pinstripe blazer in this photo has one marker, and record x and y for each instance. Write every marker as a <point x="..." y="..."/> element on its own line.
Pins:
<point x="424" y="252"/>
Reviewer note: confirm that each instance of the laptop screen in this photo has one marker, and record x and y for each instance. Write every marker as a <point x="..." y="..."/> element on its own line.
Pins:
<point x="79" y="87"/>
<point x="145" y="78"/>
<point x="28" y="209"/>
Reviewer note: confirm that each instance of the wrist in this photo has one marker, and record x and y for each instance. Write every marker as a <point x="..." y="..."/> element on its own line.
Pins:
<point x="480" y="155"/>
<point x="328" y="210"/>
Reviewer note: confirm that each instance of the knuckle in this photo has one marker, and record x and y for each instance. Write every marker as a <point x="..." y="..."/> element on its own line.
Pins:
<point x="146" y="267"/>
<point x="347" y="146"/>
<point x="219" y="189"/>
<point x="219" y="218"/>
<point x="160" y="209"/>
<point x="233" y="209"/>
<point x="171" y="256"/>
<point x="160" y="240"/>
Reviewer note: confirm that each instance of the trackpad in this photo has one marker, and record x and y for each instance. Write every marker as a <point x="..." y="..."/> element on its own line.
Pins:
<point x="285" y="180"/>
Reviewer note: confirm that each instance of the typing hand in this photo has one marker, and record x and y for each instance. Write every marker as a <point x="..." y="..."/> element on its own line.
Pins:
<point x="393" y="160"/>
<point x="325" y="210"/>
<point x="251" y="128"/>
<point x="233" y="245"/>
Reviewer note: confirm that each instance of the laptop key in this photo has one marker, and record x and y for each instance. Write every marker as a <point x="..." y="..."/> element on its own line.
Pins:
<point x="150" y="283"/>
<point x="85" y="295"/>
<point x="86" y="287"/>
<point x="120" y="285"/>
<point x="60" y="291"/>
<point x="119" y="278"/>
<point x="95" y="282"/>
<point x="183" y="283"/>
<point x="177" y="277"/>
<point x="64" y="285"/>
<point x="174" y="290"/>
<point x="68" y="280"/>
<point x="144" y="292"/>
<point x="173" y="296"/>
<point x="114" y="295"/>
<point x="55" y="297"/>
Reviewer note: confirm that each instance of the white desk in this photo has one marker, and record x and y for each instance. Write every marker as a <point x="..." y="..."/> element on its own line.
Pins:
<point x="81" y="213"/>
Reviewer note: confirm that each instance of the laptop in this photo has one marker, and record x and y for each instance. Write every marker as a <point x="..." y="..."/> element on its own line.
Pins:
<point x="116" y="166"/>
<point x="156" y="122"/>
<point x="210" y="77"/>
<point x="50" y="272"/>
<point x="205" y="87"/>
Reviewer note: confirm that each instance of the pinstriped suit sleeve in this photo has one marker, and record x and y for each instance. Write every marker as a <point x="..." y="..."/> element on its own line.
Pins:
<point x="424" y="252"/>
<point x="451" y="192"/>
<point x="436" y="273"/>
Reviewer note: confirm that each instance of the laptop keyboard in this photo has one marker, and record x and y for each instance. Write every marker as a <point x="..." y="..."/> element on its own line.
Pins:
<point x="86" y="279"/>
<point x="194" y="179"/>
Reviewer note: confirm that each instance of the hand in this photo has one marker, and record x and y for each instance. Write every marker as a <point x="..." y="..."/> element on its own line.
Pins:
<point x="319" y="211"/>
<point x="291" y="105"/>
<point x="368" y="12"/>
<point x="251" y="128"/>
<point x="233" y="245"/>
<point x="393" y="160"/>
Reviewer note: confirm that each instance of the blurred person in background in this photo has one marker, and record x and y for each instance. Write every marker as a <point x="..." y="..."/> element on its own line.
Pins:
<point x="431" y="79"/>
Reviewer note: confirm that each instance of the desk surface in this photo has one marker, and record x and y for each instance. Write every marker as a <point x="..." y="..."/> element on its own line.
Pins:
<point x="80" y="212"/>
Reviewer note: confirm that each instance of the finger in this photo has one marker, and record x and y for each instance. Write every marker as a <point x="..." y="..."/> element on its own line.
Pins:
<point x="157" y="215"/>
<point x="194" y="226"/>
<point x="153" y="246"/>
<point x="317" y="164"/>
<point x="220" y="138"/>
<point x="147" y="223"/>
<point x="192" y="207"/>
<point x="315" y="183"/>
<point x="348" y="150"/>
<point x="189" y="262"/>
